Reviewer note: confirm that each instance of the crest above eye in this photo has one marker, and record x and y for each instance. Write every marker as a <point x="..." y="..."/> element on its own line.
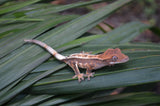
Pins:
<point x="114" y="58"/>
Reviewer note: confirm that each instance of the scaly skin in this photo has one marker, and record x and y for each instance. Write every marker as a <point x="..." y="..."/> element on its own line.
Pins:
<point x="86" y="60"/>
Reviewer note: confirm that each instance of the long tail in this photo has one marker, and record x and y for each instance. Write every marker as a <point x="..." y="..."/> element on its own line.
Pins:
<point x="48" y="48"/>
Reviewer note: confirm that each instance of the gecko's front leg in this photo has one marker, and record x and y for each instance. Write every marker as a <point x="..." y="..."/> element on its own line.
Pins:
<point x="74" y="66"/>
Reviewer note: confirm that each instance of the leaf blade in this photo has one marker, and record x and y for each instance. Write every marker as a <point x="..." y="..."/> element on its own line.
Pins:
<point x="16" y="6"/>
<point x="24" y="65"/>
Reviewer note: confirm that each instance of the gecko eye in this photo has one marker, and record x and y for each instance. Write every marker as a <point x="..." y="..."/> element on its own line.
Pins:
<point x="114" y="58"/>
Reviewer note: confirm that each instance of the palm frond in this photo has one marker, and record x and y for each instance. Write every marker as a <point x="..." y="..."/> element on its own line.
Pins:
<point x="26" y="66"/>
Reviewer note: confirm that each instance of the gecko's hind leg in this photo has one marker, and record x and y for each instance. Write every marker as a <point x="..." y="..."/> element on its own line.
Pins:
<point x="79" y="75"/>
<point x="89" y="73"/>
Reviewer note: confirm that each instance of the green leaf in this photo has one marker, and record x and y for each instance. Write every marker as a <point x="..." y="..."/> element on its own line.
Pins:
<point x="80" y="41"/>
<point x="19" y="19"/>
<point x="120" y="35"/>
<point x="132" y="55"/>
<point x="16" y="6"/>
<point x="31" y="57"/>
<point x="133" y="99"/>
<point x="59" y="100"/>
<point x="138" y="55"/>
<point x="54" y="77"/>
<point x="39" y="10"/>
<point x="106" y="80"/>
<point x="7" y="95"/>
<point x="29" y="30"/>
<point x="31" y="100"/>
<point x="59" y="8"/>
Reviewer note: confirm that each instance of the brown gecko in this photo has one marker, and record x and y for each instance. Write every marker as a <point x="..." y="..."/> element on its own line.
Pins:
<point x="86" y="60"/>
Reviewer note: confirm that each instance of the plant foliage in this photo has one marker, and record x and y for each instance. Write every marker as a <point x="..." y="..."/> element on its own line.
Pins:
<point x="29" y="74"/>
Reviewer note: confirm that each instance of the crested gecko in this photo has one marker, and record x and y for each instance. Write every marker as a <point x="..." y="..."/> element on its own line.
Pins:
<point x="86" y="60"/>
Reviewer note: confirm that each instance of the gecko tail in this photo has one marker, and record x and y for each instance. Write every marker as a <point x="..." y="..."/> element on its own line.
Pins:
<point x="48" y="48"/>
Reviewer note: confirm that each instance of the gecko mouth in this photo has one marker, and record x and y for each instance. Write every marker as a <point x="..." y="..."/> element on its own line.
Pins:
<point x="125" y="60"/>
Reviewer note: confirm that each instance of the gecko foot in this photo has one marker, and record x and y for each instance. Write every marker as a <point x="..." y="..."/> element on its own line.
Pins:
<point x="80" y="77"/>
<point x="90" y="75"/>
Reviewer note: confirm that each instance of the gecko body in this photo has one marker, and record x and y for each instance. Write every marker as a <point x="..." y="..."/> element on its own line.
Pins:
<point x="86" y="60"/>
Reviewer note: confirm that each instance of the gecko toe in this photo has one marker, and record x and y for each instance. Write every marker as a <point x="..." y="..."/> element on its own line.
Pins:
<point x="74" y="76"/>
<point x="90" y="75"/>
<point x="80" y="77"/>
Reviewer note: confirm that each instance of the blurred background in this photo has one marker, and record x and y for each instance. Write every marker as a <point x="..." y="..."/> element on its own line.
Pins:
<point x="146" y="11"/>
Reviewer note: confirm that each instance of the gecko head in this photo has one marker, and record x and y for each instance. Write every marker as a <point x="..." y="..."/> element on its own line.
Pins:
<point x="114" y="56"/>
